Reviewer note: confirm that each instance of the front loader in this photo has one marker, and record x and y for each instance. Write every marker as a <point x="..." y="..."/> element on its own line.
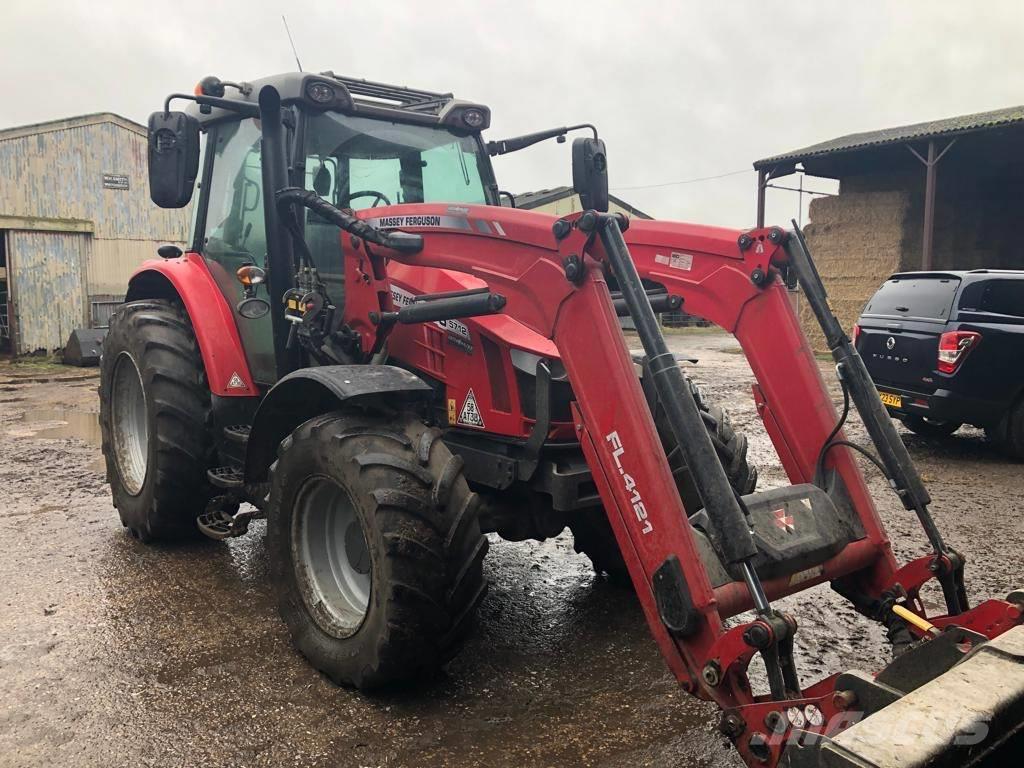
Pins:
<point x="374" y="495"/>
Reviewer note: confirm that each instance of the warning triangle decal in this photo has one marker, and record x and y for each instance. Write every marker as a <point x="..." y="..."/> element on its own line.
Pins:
<point x="470" y="416"/>
<point x="235" y="382"/>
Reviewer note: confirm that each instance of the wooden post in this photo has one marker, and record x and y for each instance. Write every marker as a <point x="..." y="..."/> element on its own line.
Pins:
<point x="929" y="209"/>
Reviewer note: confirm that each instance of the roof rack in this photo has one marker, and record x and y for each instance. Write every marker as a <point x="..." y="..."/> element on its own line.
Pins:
<point x="398" y="95"/>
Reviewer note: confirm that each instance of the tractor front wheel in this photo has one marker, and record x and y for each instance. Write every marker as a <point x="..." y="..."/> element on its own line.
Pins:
<point x="154" y="415"/>
<point x="592" y="533"/>
<point x="374" y="546"/>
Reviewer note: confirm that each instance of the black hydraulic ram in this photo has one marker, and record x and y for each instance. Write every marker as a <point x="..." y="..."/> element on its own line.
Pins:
<point x="428" y="308"/>
<point x="893" y="454"/>
<point x="731" y="524"/>
<point x="661" y="301"/>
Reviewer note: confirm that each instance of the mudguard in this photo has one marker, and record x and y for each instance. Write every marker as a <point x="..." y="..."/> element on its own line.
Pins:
<point x="308" y="392"/>
<point x="227" y="371"/>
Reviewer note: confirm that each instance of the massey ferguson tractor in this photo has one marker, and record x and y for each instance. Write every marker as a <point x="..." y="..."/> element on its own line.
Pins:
<point x="363" y="346"/>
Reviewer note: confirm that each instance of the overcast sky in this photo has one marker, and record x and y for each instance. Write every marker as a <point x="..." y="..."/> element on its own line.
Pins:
<point x="679" y="90"/>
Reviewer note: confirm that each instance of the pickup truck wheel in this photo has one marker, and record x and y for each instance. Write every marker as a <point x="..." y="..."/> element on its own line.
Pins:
<point x="592" y="533"/>
<point x="928" y="427"/>
<point x="1009" y="434"/>
<point x="375" y="547"/>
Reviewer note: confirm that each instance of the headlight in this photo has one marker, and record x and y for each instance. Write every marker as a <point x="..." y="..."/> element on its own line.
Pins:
<point x="321" y="93"/>
<point x="473" y="118"/>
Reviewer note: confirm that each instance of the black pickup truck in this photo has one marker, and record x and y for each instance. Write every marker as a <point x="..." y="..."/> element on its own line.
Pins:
<point x="946" y="349"/>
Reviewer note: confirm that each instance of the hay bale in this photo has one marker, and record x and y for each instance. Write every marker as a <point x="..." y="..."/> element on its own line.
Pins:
<point x="856" y="240"/>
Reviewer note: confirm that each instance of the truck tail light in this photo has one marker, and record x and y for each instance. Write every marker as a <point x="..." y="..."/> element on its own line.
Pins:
<point x="856" y="333"/>
<point x="953" y="348"/>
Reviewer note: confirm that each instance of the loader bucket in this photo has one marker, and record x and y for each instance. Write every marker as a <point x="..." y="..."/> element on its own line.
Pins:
<point x="970" y="715"/>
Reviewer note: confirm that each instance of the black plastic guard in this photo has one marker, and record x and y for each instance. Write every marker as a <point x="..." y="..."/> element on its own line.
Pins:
<point x="672" y="596"/>
<point x="309" y="392"/>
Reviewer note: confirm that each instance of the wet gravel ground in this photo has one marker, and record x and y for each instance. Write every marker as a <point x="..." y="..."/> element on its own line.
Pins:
<point x="112" y="653"/>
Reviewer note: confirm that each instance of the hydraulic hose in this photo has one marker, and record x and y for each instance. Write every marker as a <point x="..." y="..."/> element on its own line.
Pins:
<point x="403" y="242"/>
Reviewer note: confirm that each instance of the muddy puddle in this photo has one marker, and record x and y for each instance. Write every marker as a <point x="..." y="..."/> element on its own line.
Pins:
<point x="61" y="424"/>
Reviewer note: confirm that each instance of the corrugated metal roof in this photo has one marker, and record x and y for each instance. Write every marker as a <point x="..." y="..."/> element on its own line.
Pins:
<point x="64" y="123"/>
<point x="529" y="200"/>
<point x="954" y="125"/>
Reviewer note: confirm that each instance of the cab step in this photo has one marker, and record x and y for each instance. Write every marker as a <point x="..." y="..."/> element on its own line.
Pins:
<point x="227" y="478"/>
<point x="237" y="433"/>
<point x="223" y="520"/>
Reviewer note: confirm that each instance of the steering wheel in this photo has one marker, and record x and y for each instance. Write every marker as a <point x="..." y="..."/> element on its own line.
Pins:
<point x="380" y="197"/>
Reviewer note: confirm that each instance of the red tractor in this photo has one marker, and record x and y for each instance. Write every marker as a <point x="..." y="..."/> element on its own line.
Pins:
<point x="365" y="347"/>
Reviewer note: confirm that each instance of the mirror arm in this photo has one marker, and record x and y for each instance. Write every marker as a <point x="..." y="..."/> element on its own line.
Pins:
<point x="240" y="107"/>
<point x="505" y="146"/>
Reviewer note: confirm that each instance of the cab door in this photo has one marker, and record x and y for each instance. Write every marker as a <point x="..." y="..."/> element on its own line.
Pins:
<point x="235" y="233"/>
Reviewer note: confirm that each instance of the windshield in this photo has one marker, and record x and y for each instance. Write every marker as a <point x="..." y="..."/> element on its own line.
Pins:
<point x="358" y="162"/>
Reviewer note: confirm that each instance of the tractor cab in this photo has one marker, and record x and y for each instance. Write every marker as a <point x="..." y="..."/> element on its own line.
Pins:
<point x="357" y="144"/>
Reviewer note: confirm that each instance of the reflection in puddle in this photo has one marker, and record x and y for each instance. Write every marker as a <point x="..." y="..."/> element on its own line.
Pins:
<point x="62" y="423"/>
<point x="56" y="423"/>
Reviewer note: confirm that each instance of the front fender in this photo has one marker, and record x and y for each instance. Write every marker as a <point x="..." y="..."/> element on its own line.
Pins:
<point x="309" y="392"/>
<point x="213" y="321"/>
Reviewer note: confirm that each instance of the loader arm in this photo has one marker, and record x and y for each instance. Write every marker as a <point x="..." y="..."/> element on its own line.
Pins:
<point x="549" y="274"/>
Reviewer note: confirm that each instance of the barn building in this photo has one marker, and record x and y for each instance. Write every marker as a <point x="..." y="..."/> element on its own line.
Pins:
<point x="75" y="220"/>
<point x="938" y="195"/>
<point x="561" y="201"/>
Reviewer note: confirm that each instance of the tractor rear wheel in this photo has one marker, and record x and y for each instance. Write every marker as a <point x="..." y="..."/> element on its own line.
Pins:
<point x="154" y="416"/>
<point x="592" y="533"/>
<point x="375" y="547"/>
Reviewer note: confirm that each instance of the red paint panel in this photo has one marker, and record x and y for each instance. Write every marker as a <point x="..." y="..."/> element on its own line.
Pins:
<point x="212" y="320"/>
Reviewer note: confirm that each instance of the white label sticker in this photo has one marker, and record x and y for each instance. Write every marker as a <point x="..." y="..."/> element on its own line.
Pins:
<point x="420" y="220"/>
<point x="470" y="415"/>
<point x="235" y="382"/>
<point x="681" y="261"/>
<point x="400" y="296"/>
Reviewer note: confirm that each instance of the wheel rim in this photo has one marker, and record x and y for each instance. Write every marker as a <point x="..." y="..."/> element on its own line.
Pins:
<point x="130" y="425"/>
<point x="332" y="560"/>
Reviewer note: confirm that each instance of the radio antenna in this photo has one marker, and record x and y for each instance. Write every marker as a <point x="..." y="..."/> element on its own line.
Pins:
<point x="289" y="33"/>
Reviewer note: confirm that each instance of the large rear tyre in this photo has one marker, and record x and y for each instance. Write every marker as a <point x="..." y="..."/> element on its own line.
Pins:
<point x="592" y="534"/>
<point x="154" y="420"/>
<point x="375" y="547"/>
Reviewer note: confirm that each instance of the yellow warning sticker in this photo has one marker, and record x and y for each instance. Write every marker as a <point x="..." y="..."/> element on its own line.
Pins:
<point x="452" y="410"/>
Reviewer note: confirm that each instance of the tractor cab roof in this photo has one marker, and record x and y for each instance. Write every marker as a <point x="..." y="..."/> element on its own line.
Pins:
<point x="327" y="91"/>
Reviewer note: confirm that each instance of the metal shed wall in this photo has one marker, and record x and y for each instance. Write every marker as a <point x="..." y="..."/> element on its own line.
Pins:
<point x="55" y="171"/>
<point x="48" y="287"/>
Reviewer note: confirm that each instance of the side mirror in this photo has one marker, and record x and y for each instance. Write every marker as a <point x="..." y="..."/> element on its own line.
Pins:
<point x="590" y="174"/>
<point x="173" y="158"/>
